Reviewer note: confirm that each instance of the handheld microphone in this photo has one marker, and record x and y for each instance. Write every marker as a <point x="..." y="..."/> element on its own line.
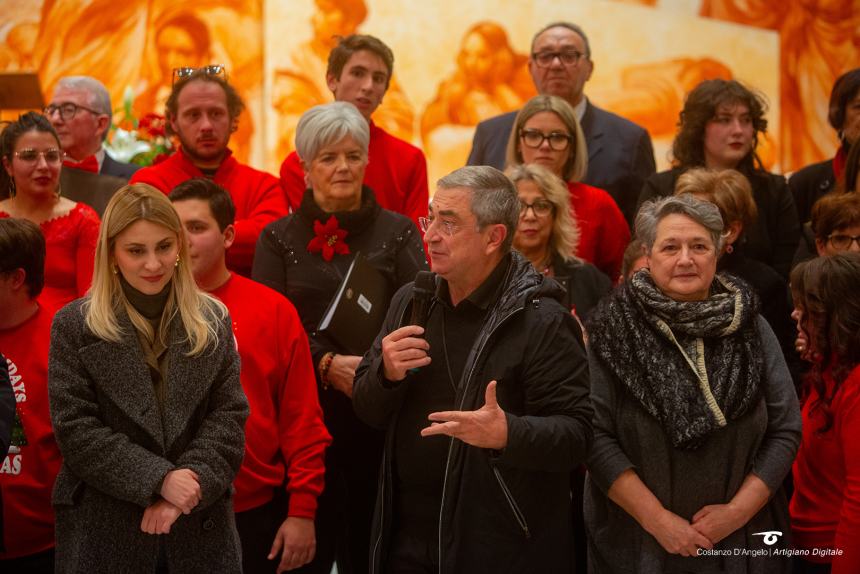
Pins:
<point x="422" y="294"/>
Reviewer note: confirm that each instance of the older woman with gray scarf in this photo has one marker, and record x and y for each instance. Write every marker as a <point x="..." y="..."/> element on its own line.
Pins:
<point x="696" y="422"/>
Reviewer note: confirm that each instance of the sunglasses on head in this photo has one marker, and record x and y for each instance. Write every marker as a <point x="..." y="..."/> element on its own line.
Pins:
<point x="211" y="70"/>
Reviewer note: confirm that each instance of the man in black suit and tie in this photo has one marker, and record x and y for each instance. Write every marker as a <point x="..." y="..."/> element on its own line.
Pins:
<point x="620" y="155"/>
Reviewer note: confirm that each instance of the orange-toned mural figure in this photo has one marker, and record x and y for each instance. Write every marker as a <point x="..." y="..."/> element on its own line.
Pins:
<point x="116" y="42"/>
<point x="303" y="84"/>
<point x="819" y="40"/>
<point x="17" y="51"/>
<point x="490" y="79"/>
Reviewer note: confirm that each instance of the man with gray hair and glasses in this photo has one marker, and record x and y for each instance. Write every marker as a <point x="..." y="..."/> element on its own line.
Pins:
<point x="485" y="406"/>
<point x="80" y="111"/>
<point x="620" y="154"/>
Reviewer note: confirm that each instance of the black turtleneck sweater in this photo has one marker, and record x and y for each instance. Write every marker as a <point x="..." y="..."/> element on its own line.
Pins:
<point x="151" y="307"/>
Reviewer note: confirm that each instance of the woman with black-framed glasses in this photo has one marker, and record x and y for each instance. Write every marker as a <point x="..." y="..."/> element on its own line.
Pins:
<point x="547" y="133"/>
<point x="30" y="189"/>
<point x="547" y="235"/>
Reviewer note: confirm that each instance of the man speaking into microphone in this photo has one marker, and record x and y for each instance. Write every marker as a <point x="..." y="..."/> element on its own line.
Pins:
<point x="486" y="407"/>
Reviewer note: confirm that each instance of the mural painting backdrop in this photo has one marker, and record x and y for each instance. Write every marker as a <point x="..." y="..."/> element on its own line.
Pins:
<point x="457" y="61"/>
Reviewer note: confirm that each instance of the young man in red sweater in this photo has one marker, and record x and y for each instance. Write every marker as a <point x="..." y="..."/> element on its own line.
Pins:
<point x="28" y="472"/>
<point x="285" y="438"/>
<point x="202" y="111"/>
<point x="359" y="72"/>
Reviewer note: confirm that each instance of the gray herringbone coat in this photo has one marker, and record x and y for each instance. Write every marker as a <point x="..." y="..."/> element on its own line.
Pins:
<point x="117" y="448"/>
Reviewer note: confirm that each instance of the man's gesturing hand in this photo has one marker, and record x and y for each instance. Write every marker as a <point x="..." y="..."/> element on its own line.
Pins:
<point x="402" y="350"/>
<point x="486" y="427"/>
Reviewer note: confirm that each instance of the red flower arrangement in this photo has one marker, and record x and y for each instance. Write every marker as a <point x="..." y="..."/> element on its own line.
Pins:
<point x="329" y="239"/>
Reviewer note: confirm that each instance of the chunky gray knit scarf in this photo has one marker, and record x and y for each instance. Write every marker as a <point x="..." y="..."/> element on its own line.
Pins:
<point x="693" y="365"/>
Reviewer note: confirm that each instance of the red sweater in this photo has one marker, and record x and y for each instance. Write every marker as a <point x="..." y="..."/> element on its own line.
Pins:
<point x="396" y="172"/>
<point x="29" y="470"/>
<point x="70" y="245"/>
<point x="603" y="231"/>
<point x="285" y="434"/>
<point x="825" y="508"/>
<point x="258" y="198"/>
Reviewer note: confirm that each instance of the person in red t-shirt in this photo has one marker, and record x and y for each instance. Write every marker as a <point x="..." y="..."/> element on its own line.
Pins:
<point x="825" y="508"/>
<point x="285" y="435"/>
<point x="359" y="72"/>
<point x="27" y="473"/>
<point x="202" y="111"/>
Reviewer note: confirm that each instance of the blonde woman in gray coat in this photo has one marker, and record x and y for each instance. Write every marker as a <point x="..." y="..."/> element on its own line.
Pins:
<point x="146" y="405"/>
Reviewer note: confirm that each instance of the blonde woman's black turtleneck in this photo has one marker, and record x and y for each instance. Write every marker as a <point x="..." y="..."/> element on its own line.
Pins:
<point x="151" y="307"/>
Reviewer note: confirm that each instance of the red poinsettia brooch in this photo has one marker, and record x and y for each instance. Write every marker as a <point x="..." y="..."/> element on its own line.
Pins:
<point x="329" y="239"/>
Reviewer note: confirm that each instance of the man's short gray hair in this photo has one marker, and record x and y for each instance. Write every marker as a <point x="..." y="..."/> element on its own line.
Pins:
<point x="702" y="212"/>
<point x="575" y="28"/>
<point x="494" y="197"/>
<point x="98" y="96"/>
<point x="327" y="124"/>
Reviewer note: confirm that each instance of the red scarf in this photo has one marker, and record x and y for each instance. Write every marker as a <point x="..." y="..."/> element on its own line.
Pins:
<point x="839" y="161"/>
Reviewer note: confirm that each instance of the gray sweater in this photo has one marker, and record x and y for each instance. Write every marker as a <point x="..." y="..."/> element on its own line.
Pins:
<point x="763" y="441"/>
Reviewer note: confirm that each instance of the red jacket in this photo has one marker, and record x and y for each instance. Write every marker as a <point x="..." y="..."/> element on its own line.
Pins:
<point x="603" y="231"/>
<point x="285" y="436"/>
<point x="258" y="197"/>
<point x="29" y="470"/>
<point x="825" y="508"/>
<point x="396" y="172"/>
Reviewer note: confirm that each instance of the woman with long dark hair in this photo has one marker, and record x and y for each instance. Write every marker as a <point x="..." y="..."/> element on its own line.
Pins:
<point x="825" y="508"/>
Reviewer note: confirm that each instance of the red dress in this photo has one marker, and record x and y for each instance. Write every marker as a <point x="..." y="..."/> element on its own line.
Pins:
<point x="70" y="243"/>
<point x="825" y="508"/>
<point x="603" y="231"/>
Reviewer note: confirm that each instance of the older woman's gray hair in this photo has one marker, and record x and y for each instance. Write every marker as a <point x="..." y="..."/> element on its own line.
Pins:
<point x="328" y="124"/>
<point x="565" y="231"/>
<point x="702" y="212"/>
<point x="494" y="197"/>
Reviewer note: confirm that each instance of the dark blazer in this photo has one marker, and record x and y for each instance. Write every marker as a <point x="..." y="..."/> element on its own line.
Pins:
<point x="94" y="189"/>
<point x="810" y="184"/>
<point x="620" y="154"/>
<point x="118" y="168"/>
<point x="118" y="445"/>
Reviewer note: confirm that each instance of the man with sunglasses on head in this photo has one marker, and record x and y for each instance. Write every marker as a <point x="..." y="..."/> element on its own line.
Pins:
<point x="620" y="154"/>
<point x="359" y="72"/>
<point x="80" y="111"/>
<point x="203" y="111"/>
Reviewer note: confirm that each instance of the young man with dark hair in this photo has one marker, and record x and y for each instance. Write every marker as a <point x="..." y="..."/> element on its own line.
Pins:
<point x="28" y="471"/>
<point x="282" y="473"/>
<point x="203" y="110"/>
<point x="359" y="72"/>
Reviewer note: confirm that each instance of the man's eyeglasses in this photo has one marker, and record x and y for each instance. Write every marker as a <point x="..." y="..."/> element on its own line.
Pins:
<point x="842" y="242"/>
<point x="211" y="70"/>
<point x="447" y="227"/>
<point x="534" y="138"/>
<point x="540" y="207"/>
<point x="68" y="110"/>
<point x="567" y="57"/>
<point x="52" y="155"/>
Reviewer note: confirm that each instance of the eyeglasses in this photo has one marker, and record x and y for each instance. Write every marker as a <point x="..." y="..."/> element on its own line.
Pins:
<point x="540" y="207"/>
<point x="534" y="138"/>
<point x="68" y="110"/>
<point x="211" y="70"/>
<point x="52" y="155"/>
<point x="567" y="57"/>
<point x="843" y="242"/>
<point x="447" y="227"/>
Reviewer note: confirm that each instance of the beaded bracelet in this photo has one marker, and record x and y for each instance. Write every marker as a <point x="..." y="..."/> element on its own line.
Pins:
<point x="325" y="365"/>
